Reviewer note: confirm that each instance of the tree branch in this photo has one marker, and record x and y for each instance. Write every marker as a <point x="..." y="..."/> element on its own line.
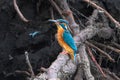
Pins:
<point x="66" y="13"/>
<point x="57" y="7"/>
<point x="84" y="65"/>
<point x="94" y="60"/>
<point x="57" y="66"/>
<point x="101" y="51"/>
<point x="106" y="46"/>
<point x="106" y="13"/>
<point x="29" y="65"/>
<point x="111" y="74"/>
<point x="19" y="12"/>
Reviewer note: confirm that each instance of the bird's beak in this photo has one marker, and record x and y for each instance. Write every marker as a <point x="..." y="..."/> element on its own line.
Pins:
<point x="55" y="21"/>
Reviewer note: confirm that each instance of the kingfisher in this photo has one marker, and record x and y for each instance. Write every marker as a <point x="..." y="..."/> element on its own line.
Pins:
<point x="65" y="38"/>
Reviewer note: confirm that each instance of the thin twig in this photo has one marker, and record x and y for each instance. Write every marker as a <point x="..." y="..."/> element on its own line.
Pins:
<point x="57" y="7"/>
<point x="94" y="60"/>
<point x="107" y="46"/>
<point x="116" y="44"/>
<point x="19" y="12"/>
<point x="111" y="74"/>
<point x="44" y="69"/>
<point x="23" y="72"/>
<point x="106" y="13"/>
<point x="100" y="59"/>
<point x="29" y="65"/>
<point x="79" y="13"/>
<point x="52" y="14"/>
<point x="38" y="6"/>
<point x="101" y="51"/>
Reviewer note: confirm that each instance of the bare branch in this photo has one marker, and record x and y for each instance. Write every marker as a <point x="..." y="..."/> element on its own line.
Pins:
<point x="52" y="14"/>
<point x="57" y="7"/>
<point x="107" y="46"/>
<point x="116" y="44"/>
<point x="101" y="51"/>
<point x="94" y="60"/>
<point x="56" y="70"/>
<point x="23" y="72"/>
<point x="60" y="68"/>
<point x="84" y="64"/>
<point x="29" y="65"/>
<point x="55" y="67"/>
<point x="43" y="69"/>
<point x="111" y="74"/>
<point x="66" y="13"/>
<point x="106" y="13"/>
<point x="19" y="12"/>
<point x="90" y="31"/>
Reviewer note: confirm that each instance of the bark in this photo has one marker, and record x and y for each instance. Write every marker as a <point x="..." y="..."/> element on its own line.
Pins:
<point x="62" y="60"/>
<point x="63" y="67"/>
<point x="101" y="51"/>
<point x="90" y="31"/>
<point x="59" y="70"/>
<point x="67" y="13"/>
<point x="84" y="65"/>
<point x="105" y="12"/>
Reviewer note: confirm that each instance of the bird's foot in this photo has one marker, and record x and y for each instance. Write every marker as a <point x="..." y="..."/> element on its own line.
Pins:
<point x="64" y="52"/>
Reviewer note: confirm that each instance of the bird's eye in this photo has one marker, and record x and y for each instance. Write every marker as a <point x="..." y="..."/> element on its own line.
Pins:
<point x="65" y="26"/>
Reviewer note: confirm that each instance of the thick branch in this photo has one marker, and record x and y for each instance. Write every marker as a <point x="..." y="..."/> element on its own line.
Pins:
<point x="61" y="68"/>
<point x="90" y="31"/>
<point x="84" y="64"/>
<point x="55" y="68"/>
<point x="66" y="13"/>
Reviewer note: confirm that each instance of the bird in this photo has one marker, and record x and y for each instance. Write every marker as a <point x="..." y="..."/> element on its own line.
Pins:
<point x="65" y="38"/>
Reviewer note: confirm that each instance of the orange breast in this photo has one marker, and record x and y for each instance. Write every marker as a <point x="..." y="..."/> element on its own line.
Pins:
<point x="63" y="43"/>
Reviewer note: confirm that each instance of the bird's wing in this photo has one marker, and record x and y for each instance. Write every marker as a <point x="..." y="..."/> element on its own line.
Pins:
<point x="69" y="40"/>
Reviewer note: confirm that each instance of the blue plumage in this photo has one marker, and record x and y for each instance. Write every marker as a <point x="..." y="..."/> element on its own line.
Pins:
<point x="69" y="39"/>
<point x="65" y="38"/>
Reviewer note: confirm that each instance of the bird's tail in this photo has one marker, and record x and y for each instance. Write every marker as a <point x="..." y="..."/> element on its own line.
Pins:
<point x="74" y="57"/>
<point x="72" y="54"/>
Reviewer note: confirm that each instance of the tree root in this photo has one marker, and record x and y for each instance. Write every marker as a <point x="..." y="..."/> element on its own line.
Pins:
<point x="104" y="11"/>
<point x="19" y="12"/>
<point x="94" y="60"/>
<point x="101" y="51"/>
<point x="107" y="46"/>
<point x="63" y="67"/>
